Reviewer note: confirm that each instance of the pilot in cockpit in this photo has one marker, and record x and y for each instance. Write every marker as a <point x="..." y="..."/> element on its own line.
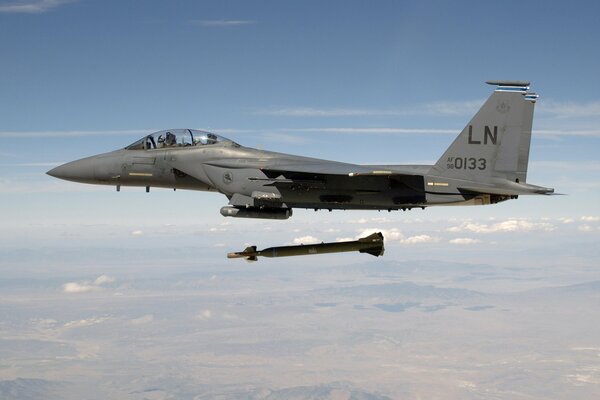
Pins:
<point x="211" y="138"/>
<point x="170" y="140"/>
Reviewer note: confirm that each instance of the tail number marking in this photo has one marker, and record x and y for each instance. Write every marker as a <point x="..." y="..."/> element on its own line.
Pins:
<point x="466" y="163"/>
<point x="488" y="135"/>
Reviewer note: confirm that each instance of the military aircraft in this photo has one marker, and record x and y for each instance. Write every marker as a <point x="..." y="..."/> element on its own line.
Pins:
<point x="486" y="164"/>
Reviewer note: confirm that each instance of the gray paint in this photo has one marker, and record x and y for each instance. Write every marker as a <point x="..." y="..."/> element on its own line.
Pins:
<point x="486" y="164"/>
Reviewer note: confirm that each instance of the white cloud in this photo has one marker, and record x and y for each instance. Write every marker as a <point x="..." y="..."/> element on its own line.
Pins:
<point x="85" y="322"/>
<point x="391" y="234"/>
<point x="230" y="316"/>
<point x="358" y="221"/>
<point x="50" y="134"/>
<point x="381" y="220"/>
<point x="466" y="107"/>
<point x="585" y="228"/>
<point x="566" y="220"/>
<point x="306" y="240"/>
<point x="511" y="225"/>
<point x="32" y="6"/>
<point x="374" y="131"/>
<point x="570" y="109"/>
<point x="563" y="166"/>
<point x="443" y="108"/>
<point x="205" y="315"/>
<point x="430" y="131"/>
<point x="144" y="319"/>
<point x="548" y="108"/>
<point x="419" y="239"/>
<point x="581" y="378"/>
<point x="321" y="112"/>
<point x="137" y="233"/>
<point x="464" y="241"/>
<point x="435" y="108"/>
<point x="44" y="186"/>
<point x="44" y="322"/>
<point x="568" y="132"/>
<point x="374" y="220"/>
<point x="34" y="164"/>
<point x="74" y="287"/>
<point x="104" y="279"/>
<point x="344" y="239"/>
<point x="590" y="218"/>
<point x="222" y="23"/>
<point x="284" y="138"/>
<point x="388" y="234"/>
<point x="87" y="286"/>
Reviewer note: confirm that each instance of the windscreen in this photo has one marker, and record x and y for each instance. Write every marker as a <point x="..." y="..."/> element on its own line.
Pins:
<point x="177" y="138"/>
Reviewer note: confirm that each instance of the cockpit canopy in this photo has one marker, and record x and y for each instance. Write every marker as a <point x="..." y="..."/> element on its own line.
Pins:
<point x="178" y="138"/>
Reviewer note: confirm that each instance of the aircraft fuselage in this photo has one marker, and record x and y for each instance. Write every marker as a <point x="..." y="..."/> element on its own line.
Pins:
<point x="486" y="164"/>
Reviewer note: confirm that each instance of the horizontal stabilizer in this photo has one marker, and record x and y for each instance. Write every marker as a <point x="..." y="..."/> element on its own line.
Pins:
<point x="507" y="188"/>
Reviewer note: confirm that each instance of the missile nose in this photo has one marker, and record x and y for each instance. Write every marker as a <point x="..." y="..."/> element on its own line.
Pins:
<point x="77" y="171"/>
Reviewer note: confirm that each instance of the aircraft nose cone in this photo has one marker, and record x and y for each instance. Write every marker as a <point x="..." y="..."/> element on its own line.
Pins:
<point x="76" y="171"/>
<point x="56" y="172"/>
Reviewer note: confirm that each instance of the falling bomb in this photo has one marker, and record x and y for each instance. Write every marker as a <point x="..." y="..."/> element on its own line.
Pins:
<point x="372" y="244"/>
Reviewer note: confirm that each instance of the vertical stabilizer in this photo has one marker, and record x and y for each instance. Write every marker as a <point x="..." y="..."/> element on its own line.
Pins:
<point x="495" y="143"/>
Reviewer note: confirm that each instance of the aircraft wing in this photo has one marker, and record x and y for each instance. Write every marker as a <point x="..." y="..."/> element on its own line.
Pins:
<point x="322" y="167"/>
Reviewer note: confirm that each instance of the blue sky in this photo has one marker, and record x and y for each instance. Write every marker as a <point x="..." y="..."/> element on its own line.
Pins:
<point x="364" y="82"/>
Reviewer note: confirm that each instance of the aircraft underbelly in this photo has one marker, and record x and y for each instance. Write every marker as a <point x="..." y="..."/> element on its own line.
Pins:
<point x="251" y="186"/>
<point x="436" y="199"/>
<point x="352" y="199"/>
<point x="364" y="192"/>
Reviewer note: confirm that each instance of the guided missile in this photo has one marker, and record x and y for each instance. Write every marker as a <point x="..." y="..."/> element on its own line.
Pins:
<point x="372" y="244"/>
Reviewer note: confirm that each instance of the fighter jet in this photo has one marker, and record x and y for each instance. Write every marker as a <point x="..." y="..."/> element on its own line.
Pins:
<point x="486" y="164"/>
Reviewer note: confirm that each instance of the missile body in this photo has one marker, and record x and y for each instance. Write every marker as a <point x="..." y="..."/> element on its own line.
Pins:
<point x="372" y="244"/>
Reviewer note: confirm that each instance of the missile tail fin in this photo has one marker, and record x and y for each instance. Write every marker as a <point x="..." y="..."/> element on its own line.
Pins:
<point x="374" y="251"/>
